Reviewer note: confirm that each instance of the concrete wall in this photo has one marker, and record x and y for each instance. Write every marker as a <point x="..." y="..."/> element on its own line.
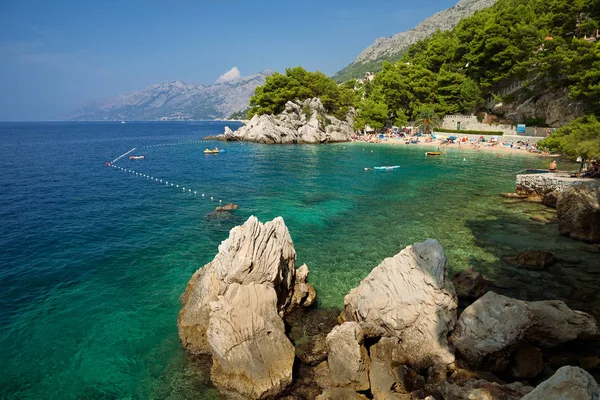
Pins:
<point x="543" y="184"/>
<point x="470" y="123"/>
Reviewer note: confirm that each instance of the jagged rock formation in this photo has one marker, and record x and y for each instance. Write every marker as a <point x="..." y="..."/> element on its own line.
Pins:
<point x="390" y="48"/>
<point x="409" y="297"/>
<point x="578" y="212"/>
<point x="300" y="122"/>
<point x="176" y="100"/>
<point x="232" y="309"/>
<point x="567" y="383"/>
<point x="348" y="359"/>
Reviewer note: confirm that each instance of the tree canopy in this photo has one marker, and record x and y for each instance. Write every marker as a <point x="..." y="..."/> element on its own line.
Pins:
<point x="299" y="84"/>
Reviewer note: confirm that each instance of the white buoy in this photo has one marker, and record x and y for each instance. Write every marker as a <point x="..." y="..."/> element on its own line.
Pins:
<point x="195" y="193"/>
<point x="171" y="184"/>
<point x="220" y="201"/>
<point x="184" y="189"/>
<point x="211" y="198"/>
<point x="202" y="194"/>
<point x="464" y="159"/>
<point x="190" y="190"/>
<point x="177" y="186"/>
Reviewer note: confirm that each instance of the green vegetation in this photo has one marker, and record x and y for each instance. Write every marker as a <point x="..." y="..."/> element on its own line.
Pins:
<point x="580" y="138"/>
<point x="466" y="132"/>
<point x="240" y="114"/>
<point x="299" y="84"/>
<point x="537" y="42"/>
<point x="357" y="70"/>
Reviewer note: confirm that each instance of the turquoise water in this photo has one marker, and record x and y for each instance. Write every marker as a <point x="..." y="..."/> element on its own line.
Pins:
<point x="94" y="260"/>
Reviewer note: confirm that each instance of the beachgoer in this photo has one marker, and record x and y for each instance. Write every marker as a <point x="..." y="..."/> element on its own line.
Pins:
<point x="552" y="166"/>
<point x="593" y="171"/>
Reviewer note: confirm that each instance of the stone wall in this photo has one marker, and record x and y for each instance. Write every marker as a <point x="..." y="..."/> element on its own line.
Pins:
<point x="543" y="184"/>
<point x="470" y="123"/>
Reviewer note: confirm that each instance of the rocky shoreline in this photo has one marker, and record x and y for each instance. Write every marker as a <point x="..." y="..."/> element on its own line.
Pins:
<point x="301" y="122"/>
<point x="399" y="336"/>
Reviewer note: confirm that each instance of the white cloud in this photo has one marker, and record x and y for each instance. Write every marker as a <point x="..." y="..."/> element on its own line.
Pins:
<point x="231" y="75"/>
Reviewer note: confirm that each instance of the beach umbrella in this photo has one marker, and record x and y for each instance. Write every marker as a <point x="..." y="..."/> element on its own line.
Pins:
<point x="452" y="138"/>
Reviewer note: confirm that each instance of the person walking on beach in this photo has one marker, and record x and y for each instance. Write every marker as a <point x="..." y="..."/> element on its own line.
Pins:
<point x="552" y="166"/>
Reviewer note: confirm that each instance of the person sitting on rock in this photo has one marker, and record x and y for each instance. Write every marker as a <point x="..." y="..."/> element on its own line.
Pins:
<point x="593" y="171"/>
<point x="552" y="166"/>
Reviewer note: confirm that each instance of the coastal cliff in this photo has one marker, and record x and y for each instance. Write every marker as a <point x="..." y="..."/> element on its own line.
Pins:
<point x="300" y="122"/>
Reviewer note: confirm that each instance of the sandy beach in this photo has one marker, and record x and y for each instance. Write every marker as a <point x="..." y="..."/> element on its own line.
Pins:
<point x="437" y="145"/>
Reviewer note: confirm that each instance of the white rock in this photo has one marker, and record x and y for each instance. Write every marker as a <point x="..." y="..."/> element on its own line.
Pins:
<point x="251" y="354"/>
<point x="348" y="359"/>
<point x="572" y="383"/>
<point x="489" y="329"/>
<point x="554" y="323"/>
<point x="410" y="297"/>
<point x="253" y="253"/>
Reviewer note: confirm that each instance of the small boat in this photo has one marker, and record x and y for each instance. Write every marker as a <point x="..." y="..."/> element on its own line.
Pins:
<point x="432" y="153"/>
<point x="386" y="167"/>
<point x="136" y="157"/>
<point x="122" y="122"/>
<point x="213" y="151"/>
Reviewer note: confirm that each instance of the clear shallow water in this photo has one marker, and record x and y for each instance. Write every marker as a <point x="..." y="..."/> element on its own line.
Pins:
<point x="94" y="260"/>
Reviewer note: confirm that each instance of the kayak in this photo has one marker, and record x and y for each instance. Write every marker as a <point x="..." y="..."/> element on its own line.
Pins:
<point x="207" y="151"/>
<point x="387" y="167"/>
<point x="432" y="153"/>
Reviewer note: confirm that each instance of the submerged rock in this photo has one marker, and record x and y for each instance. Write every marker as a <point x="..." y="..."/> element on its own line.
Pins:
<point x="536" y="259"/>
<point x="578" y="212"/>
<point x="571" y="383"/>
<point x="227" y="207"/>
<point x="409" y="297"/>
<point x="469" y="283"/>
<point x="489" y="330"/>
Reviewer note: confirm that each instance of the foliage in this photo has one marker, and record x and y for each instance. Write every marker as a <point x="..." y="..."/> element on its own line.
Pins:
<point x="541" y="122"/>
<point x="299" y="84"/>
<point x="243" y="114"/>
<point x="466" y="132"/>
<point x="372" y="113"/>
<point x="427" y="120"/>
<point x="580" y="138"/>
<point x="307" y="111"/>
<point x="357" y="70"/>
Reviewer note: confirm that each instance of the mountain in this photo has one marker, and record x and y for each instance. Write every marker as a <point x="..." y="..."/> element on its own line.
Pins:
<point x="392" y="48"/>
<point x="176" y="100"/>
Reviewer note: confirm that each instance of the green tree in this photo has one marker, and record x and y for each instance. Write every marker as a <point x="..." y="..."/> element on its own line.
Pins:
<point x="427" y="120"/>
<point x="372" y="113"/>
<point x="581" y="137"/>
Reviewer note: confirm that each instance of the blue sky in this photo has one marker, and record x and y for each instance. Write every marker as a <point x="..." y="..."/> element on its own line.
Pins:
<point x="56" y="55"/>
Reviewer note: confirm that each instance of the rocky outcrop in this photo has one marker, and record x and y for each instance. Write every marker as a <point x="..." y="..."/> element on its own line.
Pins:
<point x="468" y="284"/>
<point x="526" y="362"/>
<point x="571" y="383"/>
<point x="348" y="359"/>
<point x="227" y="207"/>
<point x="390" y="379"/>
<point x="578" y="212"/>
<point x="409" y="297"/>
<point x="484" y="390"/>
<point x="251" y="353"/>
<point x="300" y="122"/>
<point x="489" y="330"/>
<point x="340" y="394"/>
<point x="554" y="323"/>
<point x="232" y="309"/>
<point x="554" y="106"/>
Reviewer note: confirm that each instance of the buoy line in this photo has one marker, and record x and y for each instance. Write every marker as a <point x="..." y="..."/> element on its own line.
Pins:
<point x="157" y="179"/>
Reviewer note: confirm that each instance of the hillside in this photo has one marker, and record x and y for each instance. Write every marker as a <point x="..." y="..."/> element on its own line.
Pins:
<point x="392" y="48"/>
<point x="176" y="100"/>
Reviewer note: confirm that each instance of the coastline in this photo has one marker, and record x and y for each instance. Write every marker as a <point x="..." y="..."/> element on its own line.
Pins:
<point x="438" y="146"/>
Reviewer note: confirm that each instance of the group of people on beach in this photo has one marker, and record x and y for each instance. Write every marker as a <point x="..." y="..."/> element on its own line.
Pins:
<point x="593" y="170"/>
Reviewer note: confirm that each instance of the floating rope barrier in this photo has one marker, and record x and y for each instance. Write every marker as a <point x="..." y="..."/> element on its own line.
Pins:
<point x="156" y="179"/>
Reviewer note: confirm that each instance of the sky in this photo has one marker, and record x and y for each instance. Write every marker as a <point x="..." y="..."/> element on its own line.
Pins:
<point x="57" y="55"/>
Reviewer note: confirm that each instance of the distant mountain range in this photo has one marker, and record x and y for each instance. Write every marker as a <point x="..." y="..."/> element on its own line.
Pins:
<point x="177" y="101"/>
<point x="392" y="48"/>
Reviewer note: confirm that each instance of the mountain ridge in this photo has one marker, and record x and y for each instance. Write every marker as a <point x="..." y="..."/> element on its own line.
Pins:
<point x="175" y="101"/>
<point x="392" y="48"/>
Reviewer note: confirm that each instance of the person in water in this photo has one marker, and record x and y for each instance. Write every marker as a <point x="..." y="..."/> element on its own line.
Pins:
<point x="552" y="166"/>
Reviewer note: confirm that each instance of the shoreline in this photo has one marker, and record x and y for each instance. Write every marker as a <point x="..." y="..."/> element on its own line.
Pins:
<point x="438" y="146"/>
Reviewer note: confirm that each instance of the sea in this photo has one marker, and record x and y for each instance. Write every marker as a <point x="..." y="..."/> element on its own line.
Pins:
<point x="96" y="249"/>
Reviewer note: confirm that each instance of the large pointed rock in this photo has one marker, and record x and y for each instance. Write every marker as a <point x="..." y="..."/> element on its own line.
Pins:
<point x="253" y="253"/>
<point x="410" y="297"/>
<point x="554" y="323"/>
<point x="348" y="358"/>
<point x="489" y="330"/>
<point x="572" y="383"/>
<point x="251" y="353"/>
